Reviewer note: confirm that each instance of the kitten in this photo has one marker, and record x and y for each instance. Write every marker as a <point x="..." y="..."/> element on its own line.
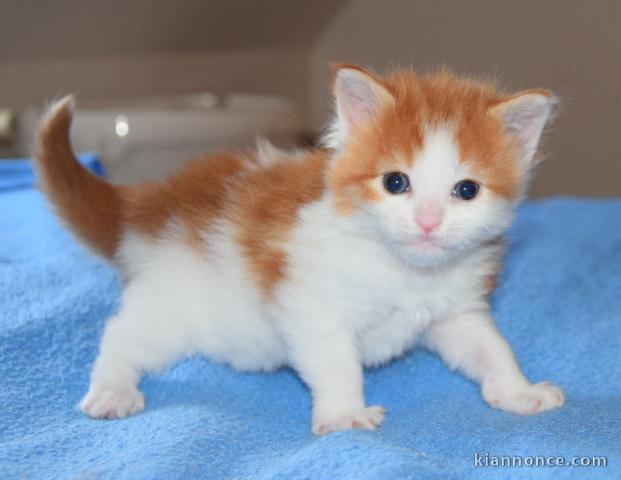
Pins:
<point x="327" y="260"/>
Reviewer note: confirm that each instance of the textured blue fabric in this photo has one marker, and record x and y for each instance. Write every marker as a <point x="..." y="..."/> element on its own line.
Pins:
<point x="558" y="303"/>
<point x="19" y="174"/>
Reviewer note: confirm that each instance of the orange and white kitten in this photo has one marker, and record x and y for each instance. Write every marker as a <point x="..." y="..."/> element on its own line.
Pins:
<point x="327" y="260"/>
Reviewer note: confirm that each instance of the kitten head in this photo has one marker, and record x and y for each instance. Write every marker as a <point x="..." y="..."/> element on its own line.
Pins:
<point x="434" y="163"/>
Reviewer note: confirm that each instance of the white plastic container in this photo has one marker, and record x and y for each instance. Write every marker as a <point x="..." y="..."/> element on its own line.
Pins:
<point x="147" y="138"/>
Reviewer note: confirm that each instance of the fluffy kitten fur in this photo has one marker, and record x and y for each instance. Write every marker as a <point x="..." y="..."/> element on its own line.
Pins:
<point x="267" y="258"/>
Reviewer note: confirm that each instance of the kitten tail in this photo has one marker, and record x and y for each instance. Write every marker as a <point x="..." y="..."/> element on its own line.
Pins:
<point x="91" y="207"/>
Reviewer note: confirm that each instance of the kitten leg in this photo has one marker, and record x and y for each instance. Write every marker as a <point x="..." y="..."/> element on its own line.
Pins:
<point x="145" y="336"/>
<point x="328" y="363"/>
<point x="113" y="391"/>
<point x="472" y="344"/>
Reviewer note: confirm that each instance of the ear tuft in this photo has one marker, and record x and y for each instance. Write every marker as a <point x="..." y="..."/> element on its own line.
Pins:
<point x="524" y="117"/>
<point x="359" y="98"/>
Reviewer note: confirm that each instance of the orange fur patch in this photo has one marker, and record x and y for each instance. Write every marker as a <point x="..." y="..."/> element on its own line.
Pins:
<point x="262" y="203"/>
<point x="491" y="282"/>
<point x="266" y="206"/>
<point x="194" y="196"/>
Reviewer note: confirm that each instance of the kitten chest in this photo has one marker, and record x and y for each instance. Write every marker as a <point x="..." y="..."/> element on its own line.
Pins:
<point x="398" y="310"/>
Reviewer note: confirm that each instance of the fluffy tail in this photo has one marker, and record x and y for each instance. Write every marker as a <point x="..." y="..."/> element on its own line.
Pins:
<point x="91" y="207"/>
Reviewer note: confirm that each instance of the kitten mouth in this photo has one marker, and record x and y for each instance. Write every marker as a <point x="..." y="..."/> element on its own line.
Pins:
<point x="427" y="243"/>
<point x="423" y="242"/>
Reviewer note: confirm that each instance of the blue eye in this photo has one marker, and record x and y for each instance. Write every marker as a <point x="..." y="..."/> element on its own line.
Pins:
<point x="466" y="190"/>
<point x="396" y="182"/>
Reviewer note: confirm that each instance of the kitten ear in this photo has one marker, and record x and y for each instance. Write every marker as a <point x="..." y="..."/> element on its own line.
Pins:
<point x="524" y="116"/>
<point x="359" y="98"/>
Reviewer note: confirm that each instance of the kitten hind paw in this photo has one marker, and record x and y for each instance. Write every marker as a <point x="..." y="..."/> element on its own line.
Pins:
<point x="112" y="404"/>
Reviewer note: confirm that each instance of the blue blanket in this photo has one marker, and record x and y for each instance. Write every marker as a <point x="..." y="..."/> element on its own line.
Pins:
<point x="558" y="303"/>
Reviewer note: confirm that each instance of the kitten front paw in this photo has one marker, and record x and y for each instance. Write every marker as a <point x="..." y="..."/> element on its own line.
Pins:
<point x="367" y="418"/>
<point x="112" y="404"/>
<point x="524" y="400"/>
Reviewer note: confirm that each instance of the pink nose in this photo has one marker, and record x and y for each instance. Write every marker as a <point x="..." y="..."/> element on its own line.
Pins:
<point x="429" y="217"/>
<point x="428" y="224"/>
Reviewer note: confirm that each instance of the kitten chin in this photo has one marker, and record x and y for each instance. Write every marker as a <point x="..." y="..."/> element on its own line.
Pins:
<point x="263" y="259"/>
<point x="434" y="255"/>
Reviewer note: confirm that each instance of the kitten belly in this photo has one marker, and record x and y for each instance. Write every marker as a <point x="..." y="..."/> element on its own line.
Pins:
<point x="202" y="305"/>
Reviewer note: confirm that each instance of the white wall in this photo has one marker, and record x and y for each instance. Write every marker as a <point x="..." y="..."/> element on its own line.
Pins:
<point x="265" y="70"/>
